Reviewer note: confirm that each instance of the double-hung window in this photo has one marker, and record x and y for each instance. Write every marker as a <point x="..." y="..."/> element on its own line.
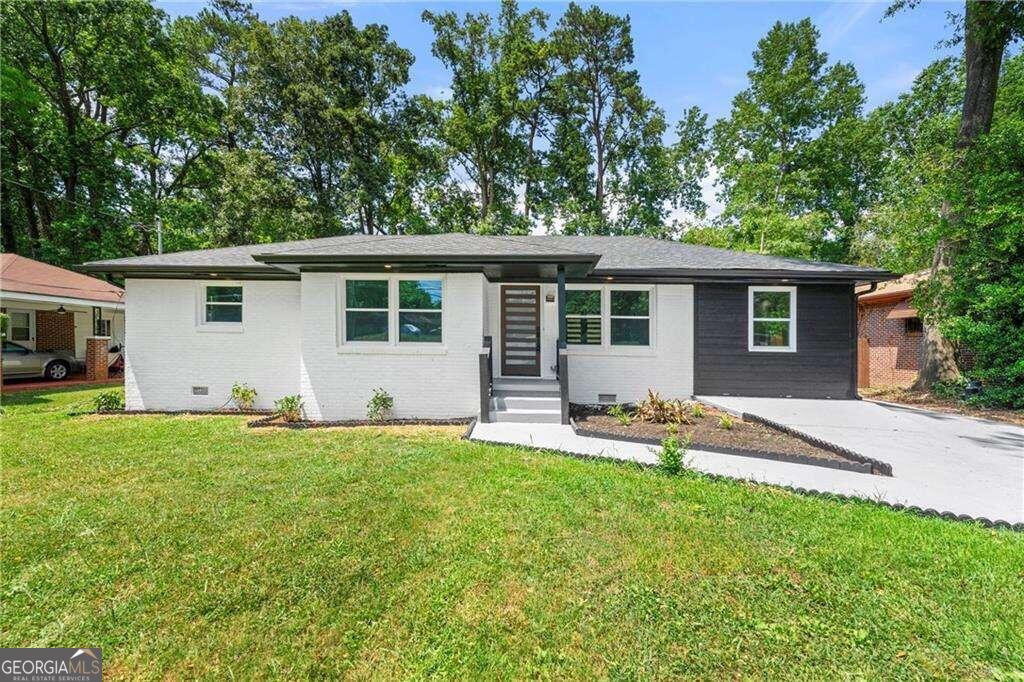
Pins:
<point x="402" y="310"/>
<point x="630" y="318"/>
<point x="419" y="310"/>
<point x="20" y="325"/>
<point x="366" y="310"/>
<point x="583" y="317"/>
<point x="222" y="304"/>
<point x="772" y="323"/>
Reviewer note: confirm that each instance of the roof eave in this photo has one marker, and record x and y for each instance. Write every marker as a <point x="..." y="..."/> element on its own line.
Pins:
<point x="742" y="274"/>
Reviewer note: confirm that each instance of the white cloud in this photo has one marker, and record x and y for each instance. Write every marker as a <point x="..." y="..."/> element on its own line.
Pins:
<point x="839" y="19"/>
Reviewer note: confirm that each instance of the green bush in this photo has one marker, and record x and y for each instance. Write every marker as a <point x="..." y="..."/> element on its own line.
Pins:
<point x="950" y="390"/>
<point x="697" y="411"/>
<point x="670" y="459"/>
<point x="725" y="422"/>
<point x="619" y="412"/>
<point x="243" y="395"/>
<point x="289" y="408"/>
<point x="109" y="401"/>
<point x="380" y="405"/>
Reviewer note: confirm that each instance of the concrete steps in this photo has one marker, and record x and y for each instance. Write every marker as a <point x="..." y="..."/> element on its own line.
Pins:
<point x="526" y="400"/>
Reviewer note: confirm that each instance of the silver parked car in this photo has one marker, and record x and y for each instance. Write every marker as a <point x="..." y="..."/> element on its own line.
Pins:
<point x="55" y="365"/>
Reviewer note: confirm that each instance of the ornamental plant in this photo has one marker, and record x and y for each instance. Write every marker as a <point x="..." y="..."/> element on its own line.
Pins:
<point x="379" y="407"/>
<point x="619" y="413"/>
<point x="289" y="408"/>
<point x="243" y="395"/>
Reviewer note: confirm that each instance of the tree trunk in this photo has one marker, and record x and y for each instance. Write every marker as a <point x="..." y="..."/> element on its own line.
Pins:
<point x="985" y="38"/>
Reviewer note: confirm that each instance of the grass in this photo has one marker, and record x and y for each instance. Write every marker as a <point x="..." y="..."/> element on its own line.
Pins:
<point x="195" y="547"/>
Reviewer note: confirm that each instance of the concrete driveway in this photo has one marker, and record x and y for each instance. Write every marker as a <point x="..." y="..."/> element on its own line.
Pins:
<point x="940" y="461"/>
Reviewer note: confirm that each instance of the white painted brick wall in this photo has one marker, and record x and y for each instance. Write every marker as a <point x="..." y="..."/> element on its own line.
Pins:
<point x="337" y="385"/>
<point x="667" y="367"/>
<point x="166" y="352"/>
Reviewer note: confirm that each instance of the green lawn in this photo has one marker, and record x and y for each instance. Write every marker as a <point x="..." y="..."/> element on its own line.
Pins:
<point x="195" y="547"/>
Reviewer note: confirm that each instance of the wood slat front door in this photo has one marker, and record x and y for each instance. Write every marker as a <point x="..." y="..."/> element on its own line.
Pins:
<point x="520" y="330"/>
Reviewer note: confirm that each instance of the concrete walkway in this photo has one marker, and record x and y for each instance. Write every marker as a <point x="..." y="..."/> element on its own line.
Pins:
<point x="942" y="462"/>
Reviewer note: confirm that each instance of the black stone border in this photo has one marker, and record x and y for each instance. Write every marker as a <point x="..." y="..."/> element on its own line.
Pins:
<point x="876" y="466"/>
<point x="197" y="413"/>
<point x="854" y="466"/>
<point x="268" y="421"/>
<point x="998" y="524"/>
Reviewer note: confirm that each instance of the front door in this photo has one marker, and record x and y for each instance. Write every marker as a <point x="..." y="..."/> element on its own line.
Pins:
<point x="520" y="330"/>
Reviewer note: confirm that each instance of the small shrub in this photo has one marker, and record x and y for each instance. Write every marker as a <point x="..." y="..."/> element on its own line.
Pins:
<point x="380" y="405"/>
<point x="673" y="429"/>
<point x="243" y="395"/>
<point x="670" y="459"/>
<point x="657" y="410"/>
<point x="950" y="390"/>
<point x="725" y="422"/>
<point x="289" y="408"/>
<point x="109" y="401"/>
<point x="618" y="412"/>
<point x="697" y="411"/>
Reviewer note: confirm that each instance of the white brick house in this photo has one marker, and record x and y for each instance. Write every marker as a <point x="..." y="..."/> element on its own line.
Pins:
<point x="459" y="325"/>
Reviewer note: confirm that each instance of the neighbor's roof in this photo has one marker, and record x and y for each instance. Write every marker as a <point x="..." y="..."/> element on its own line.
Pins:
<point x="897" y="289"/>
<point x="637" y="256"/>
<point x="20" y="275"/>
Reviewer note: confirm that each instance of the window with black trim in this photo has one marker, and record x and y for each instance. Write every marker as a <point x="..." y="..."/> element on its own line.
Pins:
<point x="630" y="318"/>
<point x="583" y="317"/>
<point x="419" y="310"/>
<point x="223" y="304"/>
<point x="366" y="310"/>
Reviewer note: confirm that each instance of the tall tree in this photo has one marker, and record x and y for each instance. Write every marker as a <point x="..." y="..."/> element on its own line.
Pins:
<point x="792" y="154"/>
<point x="986" y="28"/>
<point x="327" y="101"/>
<point x="110" y="77"/>
<point x="492" y="62"/>
<point x="609" y="168"/>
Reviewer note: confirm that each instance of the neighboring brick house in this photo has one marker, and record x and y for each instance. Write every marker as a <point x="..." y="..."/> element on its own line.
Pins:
<point x="889" y="334"/>
<point x="53" y="309"/>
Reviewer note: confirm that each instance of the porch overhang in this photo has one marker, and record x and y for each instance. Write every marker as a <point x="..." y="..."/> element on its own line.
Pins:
<point x="538" y="268"/>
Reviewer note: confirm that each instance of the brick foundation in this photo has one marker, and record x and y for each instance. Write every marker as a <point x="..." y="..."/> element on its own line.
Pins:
<point x="55" y="331"/>
<point x="96" y="364"/>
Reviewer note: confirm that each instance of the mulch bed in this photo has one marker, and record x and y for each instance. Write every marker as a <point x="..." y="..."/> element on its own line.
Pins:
<point x="930" y="401"/>
<point x="745" y="438"/>
<point x="276" y="421"/>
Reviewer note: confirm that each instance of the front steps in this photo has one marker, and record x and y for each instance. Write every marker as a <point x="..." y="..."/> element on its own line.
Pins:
<point x="527" y="400"/>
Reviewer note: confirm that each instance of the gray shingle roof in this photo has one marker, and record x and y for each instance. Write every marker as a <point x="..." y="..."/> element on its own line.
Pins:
<point x="613" y="255"/>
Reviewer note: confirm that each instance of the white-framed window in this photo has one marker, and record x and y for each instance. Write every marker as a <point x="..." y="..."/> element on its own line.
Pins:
<point x="583" y="317"/>
<point x="103" y="328"/>
<point x="610" y="315"/>
<point x="220" y="306"/>
<point x="399" y="310"/>
<point x="772" y="319"/>
<point x="630" y="317"/>
<point x="21" y="325"/>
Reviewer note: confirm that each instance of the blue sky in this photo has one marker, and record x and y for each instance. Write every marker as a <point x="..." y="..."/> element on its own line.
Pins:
<point x="686" y="52"/>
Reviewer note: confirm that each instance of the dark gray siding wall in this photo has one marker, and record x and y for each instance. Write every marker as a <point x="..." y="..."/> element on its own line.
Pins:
<point x="823" y="365"/>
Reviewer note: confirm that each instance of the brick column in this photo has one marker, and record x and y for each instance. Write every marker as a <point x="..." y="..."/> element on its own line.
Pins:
<point x="96" y="363"/>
